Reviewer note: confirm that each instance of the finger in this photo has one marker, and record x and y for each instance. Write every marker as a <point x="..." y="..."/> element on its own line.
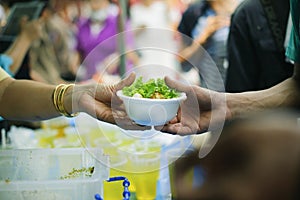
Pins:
<point x="174" y="129"/>
<point x="180" y="129"/>
<point x="129" y="125"/>
<point x="126" y="123"/>
<point x="104" y="113"/>
<point x="174" y="120"/>
<point x="177" y="118"/>
<point x="179" y="113"/>
<point x="125" y="82"/>
<point x="176" y="84"/>
<point x="98" y="110"/>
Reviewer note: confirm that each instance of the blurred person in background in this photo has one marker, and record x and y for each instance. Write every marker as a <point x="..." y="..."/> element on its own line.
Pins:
<point x="51" y="58"/>
<point x="96" y="44"/>
<point x="11" y="60"/>
<point x="154" y="14"/>
<point x="5" y="6"/>
<point x="150" y="19"/>
<point x="177" y="7"/>
<point x="23" y="72"/>
<point x="70" y="10"/>
<point x="207" y="23"/>
<point x="256" y="157"/>
<point x="256" y="51"/>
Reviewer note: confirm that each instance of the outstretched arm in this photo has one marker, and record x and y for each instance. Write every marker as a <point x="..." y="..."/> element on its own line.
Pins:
<point x="30" y="100"/>
<point x="284" y="94"/>
<point x="205" y="109"/>
<point x="26" y="100"/>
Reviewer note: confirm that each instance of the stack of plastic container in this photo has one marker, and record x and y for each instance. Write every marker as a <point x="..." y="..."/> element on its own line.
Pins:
<point x="50" y="174"/>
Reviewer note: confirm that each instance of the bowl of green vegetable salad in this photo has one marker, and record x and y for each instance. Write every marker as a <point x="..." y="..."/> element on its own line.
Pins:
<point x="151" y="103"/>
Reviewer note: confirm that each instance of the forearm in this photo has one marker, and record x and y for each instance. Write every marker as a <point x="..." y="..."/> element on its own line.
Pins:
<point x="285" y="94"/>
<point x="189" y="51"/>
<point x="18" y="50"/>
<point x="26" y="100"/>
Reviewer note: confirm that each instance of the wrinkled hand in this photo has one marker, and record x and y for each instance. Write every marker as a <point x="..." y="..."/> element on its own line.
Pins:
<point x="203" y="110"/>
<point x="100" y="100"/>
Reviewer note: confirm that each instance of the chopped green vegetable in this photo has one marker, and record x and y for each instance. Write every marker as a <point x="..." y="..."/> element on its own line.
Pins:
<point x="155" y="89"/>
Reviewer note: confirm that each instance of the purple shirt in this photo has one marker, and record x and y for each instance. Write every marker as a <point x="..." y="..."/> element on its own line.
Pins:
<point x="95" y="48"/>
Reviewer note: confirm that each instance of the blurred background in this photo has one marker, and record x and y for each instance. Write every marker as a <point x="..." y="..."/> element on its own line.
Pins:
<point x="223" y="45"/>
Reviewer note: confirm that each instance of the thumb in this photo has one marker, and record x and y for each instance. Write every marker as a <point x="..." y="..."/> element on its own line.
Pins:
<point x="125" y="82"/>
<point x="179" y="86"/>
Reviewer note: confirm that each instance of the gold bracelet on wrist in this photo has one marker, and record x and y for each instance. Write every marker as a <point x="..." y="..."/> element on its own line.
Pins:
<point x="58" y="99"/>
<point x="55" y="95"/>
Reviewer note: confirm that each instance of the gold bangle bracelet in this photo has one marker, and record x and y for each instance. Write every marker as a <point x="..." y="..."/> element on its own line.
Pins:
<point x="58" y="99"/>
<point x="55" y="96"/>
<point x="61" y="102"/>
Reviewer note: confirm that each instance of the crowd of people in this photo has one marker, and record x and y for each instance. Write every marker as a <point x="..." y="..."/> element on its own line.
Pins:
<point x="246" y="55"/>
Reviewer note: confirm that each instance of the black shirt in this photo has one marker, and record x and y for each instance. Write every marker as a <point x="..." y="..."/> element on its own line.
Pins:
<point x="255" y="62"/>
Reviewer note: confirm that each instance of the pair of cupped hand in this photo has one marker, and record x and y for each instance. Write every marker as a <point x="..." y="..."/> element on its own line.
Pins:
<point x="203" y="109"/>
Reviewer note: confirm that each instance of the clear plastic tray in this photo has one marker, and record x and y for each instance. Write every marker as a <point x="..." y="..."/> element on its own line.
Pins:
<point x="63" y="174"/>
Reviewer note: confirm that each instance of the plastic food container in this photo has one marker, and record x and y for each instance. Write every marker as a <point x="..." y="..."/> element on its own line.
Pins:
<point x="51" y="174"/>
<point x="151" y="112"/>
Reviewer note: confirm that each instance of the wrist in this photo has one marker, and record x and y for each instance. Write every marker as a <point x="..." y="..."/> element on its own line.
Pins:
<point x="62" y="100"/>
<point x="236" y="104"/>
<point x="68" y="100"/>
<point x="26" y="39"/>
<point x="80" y="95"/>
<point x="202" y="39"/>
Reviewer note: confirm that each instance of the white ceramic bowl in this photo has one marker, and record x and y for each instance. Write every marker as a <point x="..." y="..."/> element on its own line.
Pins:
<point x="151" y="112"/>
